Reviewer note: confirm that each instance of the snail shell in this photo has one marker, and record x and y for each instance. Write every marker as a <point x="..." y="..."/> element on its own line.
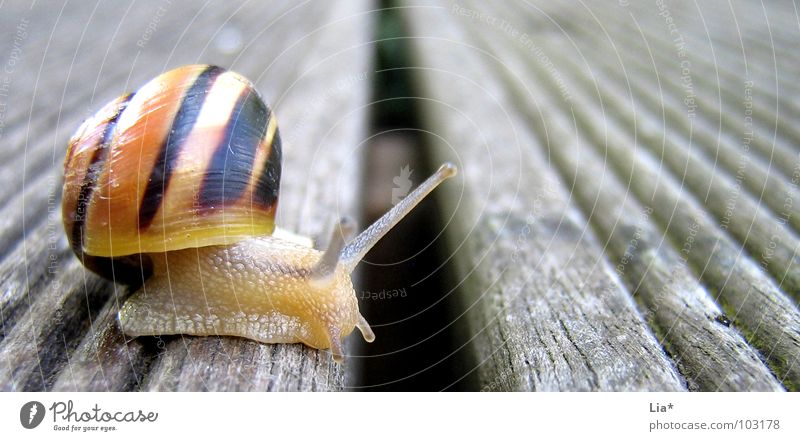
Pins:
<point x="176" y="187"/>
<point x="192" y="159"/>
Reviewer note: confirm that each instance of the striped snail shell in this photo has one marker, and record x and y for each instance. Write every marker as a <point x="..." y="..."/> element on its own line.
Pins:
<point x="176" y="187"/>
<point x="192" y="159"/>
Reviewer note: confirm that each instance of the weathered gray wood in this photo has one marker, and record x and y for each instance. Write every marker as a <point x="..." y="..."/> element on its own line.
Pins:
<point x="768" y="318"/>
<point x="83" y="74"/>
<point x="54" y="75"/>
<point x="733" y="67"/>
<point x="726" y="59"/>
<point x="767" y="237"/>
<point x="35" y="349"/>
<point x="726" y="148"/>
<point x="568" y="279"/>
<point x="112" y="372"/>
<point x="59" y="324"/>
<point x="766" y="35"/>
<point x="710" y="355"/>
<point x="105" y="359"/>
<point x="171" y="345"/>
<point x="30" y="263"/>
<point x="765" y="234"/>
<point x="322" y="122"/>
<point x="547" y="311"/>
<point x="44" y="253"/>
<point x="725" y="105"/>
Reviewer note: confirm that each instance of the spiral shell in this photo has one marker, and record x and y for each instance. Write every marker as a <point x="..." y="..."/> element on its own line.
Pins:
<point x="192" y="159"/>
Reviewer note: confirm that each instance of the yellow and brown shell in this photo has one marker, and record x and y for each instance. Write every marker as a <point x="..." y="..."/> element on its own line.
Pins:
<point x="191" y="159"/>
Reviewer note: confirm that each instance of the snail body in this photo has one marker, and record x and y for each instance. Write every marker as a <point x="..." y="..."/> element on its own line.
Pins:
<point x="257" y="288"/>
<point x="176" y="187"/>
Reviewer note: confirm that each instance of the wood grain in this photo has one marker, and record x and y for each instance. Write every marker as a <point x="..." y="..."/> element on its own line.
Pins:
<point x="600" y="237"/>
<point x="59" y="321"/>
<point x="546" y="63"/>
<point x="546" y="309"/>
<point x="710" y="354"/>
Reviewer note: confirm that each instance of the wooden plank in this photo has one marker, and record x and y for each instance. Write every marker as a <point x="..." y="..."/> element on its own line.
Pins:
<point x="35" y="348"/>
<point x="82" y="74"/>
<point x="42" y="195"/>
<point x="761" y="231"/>
<point x="768" y="318"/>
<point x="776" y="139"/>
<point x="42" y="240"/>
<point x="766" y="32"/>
<point x="569" y="231"/>
<point x="722" y="130"/>
<point x="546" y="309"/>
<point x="732" y="66"/>
<point x="765" y="234"/>
<point x="24" y="273"/>
<point x="53" y="82"/>
<point x="710" y="354"/>
<point x="106" y="360"/>
<point x="310" y="111"/>
<point x="83" y="349"/>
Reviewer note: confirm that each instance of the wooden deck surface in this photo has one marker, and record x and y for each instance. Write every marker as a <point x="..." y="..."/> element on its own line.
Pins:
<point x="618" y="227"/>
<point x="626" y="216"/>
<point x="59" y="321"/>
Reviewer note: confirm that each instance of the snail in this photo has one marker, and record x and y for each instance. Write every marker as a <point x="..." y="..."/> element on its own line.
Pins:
<point x="175" y="187"/>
